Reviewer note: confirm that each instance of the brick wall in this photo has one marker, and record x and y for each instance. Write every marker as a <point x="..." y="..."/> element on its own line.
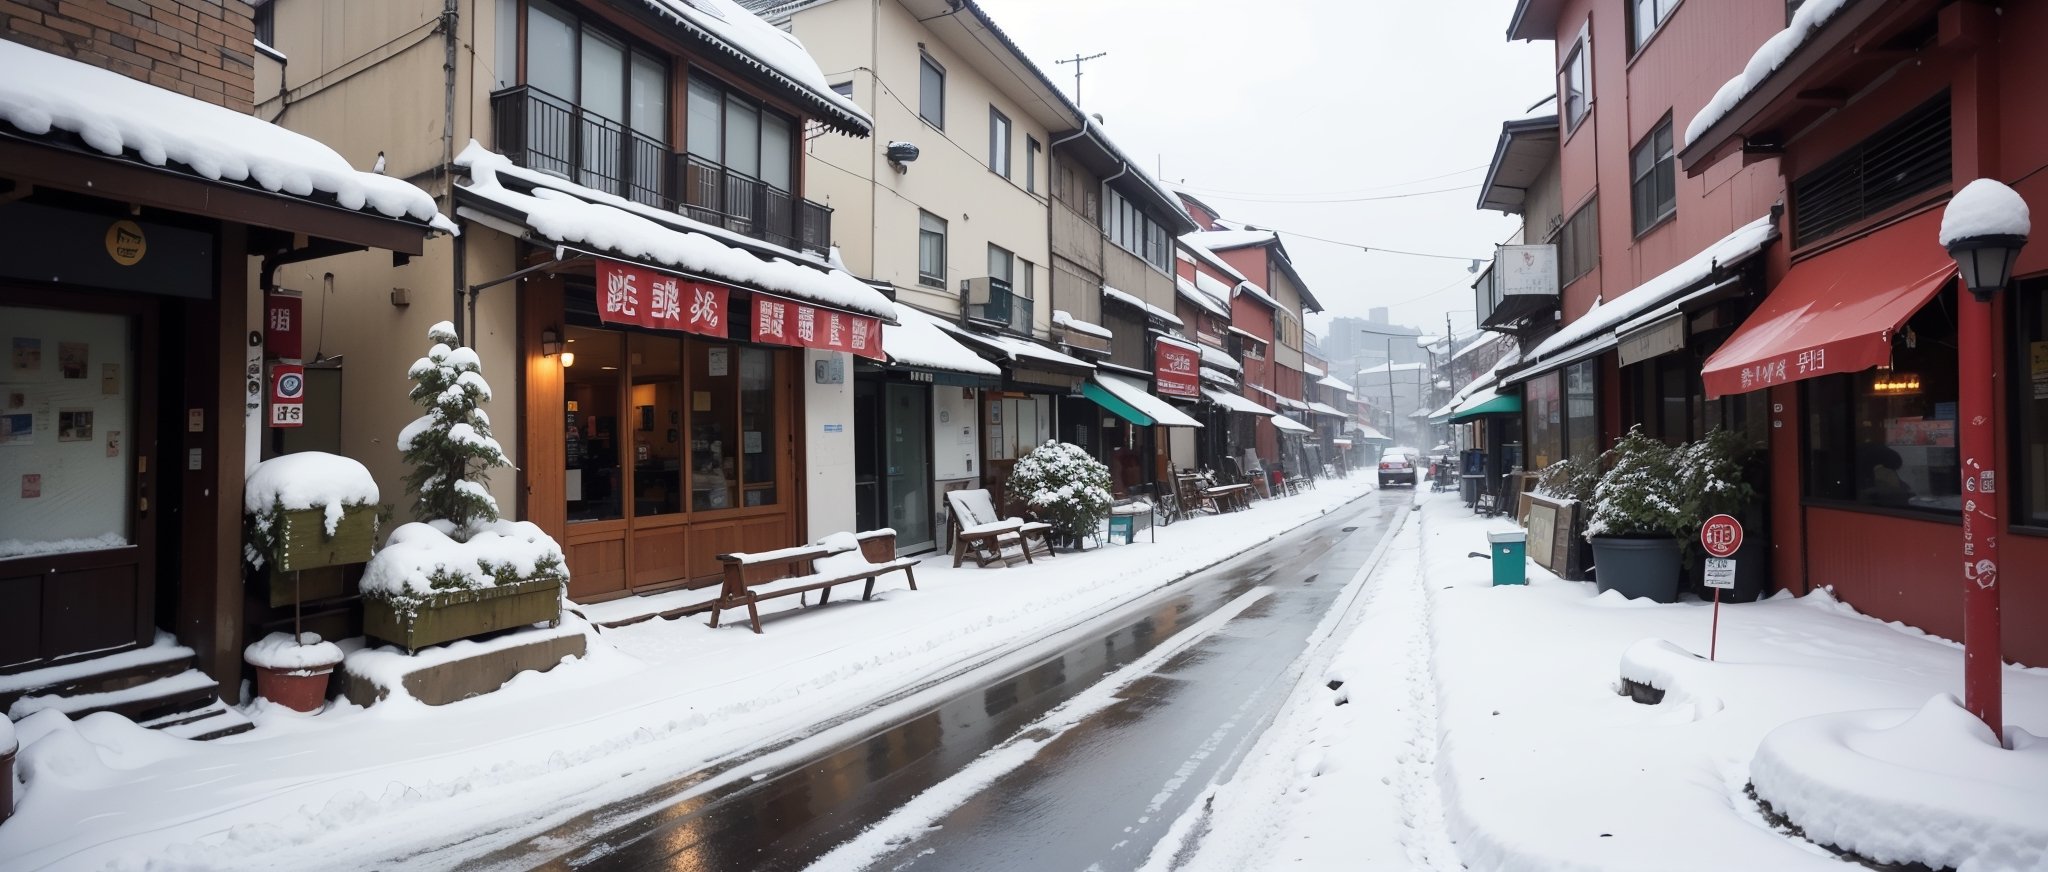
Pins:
<point x="199" y="48"/>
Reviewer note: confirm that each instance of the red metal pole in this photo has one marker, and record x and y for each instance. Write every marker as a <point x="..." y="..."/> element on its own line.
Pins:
<point x="1982" y="661"/>
<point x="1714" y="641"/>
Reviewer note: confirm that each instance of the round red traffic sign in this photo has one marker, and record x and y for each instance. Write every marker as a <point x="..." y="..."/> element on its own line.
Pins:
<point x="1721" y="535"/>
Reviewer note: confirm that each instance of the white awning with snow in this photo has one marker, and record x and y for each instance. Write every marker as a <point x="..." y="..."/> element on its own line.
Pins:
<point x="1134" y="302"/>
<point x="1235" y="403"/>
<point x="1131" y="391"/>
<point x="1289" y="425"/>
<point x="917" y="340"/>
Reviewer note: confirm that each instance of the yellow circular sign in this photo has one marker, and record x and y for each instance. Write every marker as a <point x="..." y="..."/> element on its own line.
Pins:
<point x="125" y="243"/>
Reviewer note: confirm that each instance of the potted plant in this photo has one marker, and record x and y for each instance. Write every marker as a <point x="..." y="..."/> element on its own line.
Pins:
<point x="459" y="571"/>
<point x="306" y="510"/>
<point x="1065" y="488"/>
<point x="1636" y="520"/>
<point x="1712" y="480"/>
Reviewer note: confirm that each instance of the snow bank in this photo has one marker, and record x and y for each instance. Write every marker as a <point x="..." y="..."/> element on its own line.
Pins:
<point x="115" y="115"/>
<point x="1930" y="786"/>
<point x="1811" y="16"/>
<point x="386" y="667"/>
<point x="421" y="559"/>
<point x="1984" y="207"/>
<point x="309" y="480"/>
<point x="308" y="655"/>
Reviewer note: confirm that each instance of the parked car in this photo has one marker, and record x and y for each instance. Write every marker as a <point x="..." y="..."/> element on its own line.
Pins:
<point x="1397" y="466"/>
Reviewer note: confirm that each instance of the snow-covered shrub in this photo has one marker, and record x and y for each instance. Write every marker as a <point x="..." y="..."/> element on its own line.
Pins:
<point x="1639" y="495"/>
<point x="450" y="447"/>
<point x="1568" y="480"/>
<point x="423" y="559"/>
<point x="1064" y="487"/>
<point x="1710" y="480"/>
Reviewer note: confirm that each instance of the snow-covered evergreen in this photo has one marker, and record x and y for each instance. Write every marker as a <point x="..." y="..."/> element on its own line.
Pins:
<point x="450" y="447"/>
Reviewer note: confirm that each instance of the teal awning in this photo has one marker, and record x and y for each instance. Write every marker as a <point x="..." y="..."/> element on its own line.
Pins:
<point x="1488" y="403"/>
<point x="1107" y="400"/>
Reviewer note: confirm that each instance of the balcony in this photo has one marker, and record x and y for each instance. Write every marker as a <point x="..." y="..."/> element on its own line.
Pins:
<point x="542" y="132"/>
<point x="990" y="301"/>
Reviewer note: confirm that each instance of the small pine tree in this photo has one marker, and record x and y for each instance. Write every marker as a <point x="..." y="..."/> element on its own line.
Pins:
<point x="450" y="447"/>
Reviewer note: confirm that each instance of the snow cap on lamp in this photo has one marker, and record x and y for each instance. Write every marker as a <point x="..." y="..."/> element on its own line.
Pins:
<point x="1983" y="228"/>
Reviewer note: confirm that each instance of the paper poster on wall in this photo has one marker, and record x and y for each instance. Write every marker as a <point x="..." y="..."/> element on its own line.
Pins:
<point x="753" y="442"/>
<point x="73" y="359"/>
<point x="31" y="486"/>
<point x="17" y="428"/>
<point x="113" y="443"/>
<point x="718" y="362"/>
<point x="74" y="425"/>
<point x="28" y="354"/>
<point x="110" y="379"/>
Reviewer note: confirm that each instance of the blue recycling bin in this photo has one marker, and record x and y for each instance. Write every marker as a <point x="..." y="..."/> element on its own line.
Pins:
<point x="1510" y="552"/>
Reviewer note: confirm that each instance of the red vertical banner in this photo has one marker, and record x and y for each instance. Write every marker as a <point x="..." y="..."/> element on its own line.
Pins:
<point x="281" y="333"/>
<point x="628" y="294"/>
<point x="1176" y="369"/>
<point x="785" y="322"/>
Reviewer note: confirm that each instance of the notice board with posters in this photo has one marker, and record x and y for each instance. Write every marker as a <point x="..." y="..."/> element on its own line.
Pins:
<point x="1551" y="523"/>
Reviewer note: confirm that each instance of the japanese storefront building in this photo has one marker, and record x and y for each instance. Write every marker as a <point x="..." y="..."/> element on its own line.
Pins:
<point x="1854" y="350"/>
<point x="138" y="228"/>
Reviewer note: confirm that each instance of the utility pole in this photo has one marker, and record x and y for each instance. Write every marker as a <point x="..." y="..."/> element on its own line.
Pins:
<point x="1077" y="60"/>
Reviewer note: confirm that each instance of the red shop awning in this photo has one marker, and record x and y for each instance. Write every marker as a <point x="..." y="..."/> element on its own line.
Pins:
<point x="1836" y="312"/>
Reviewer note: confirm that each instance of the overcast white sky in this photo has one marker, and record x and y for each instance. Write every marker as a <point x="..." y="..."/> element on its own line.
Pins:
<point x="1259" y="107"/>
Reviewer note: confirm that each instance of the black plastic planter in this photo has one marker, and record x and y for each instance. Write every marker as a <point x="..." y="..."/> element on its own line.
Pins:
<point x="1647" y="568"/>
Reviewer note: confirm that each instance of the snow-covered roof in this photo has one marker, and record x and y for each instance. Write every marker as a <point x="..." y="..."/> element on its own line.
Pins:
<point x="1211" y="302"/>
<point x="1314" y="370"/>
<point x="1811" y="17"/>
<point x="1326" y="409"/>
<point x="1220" y="359"/>
<point x="1330" y="381"/>
<point x="767" y="48"/>
<point x="917" y="340"/>
<point x="1984" y="208"/>
<point x="1393" y="367"/>
<point x="567" y="213"/>
<point x="1289" y="425"/>
<point x="1016" y="348"/>
<point x="1218" y="240"/>
<point x="1208" y="257"/>
<point x="1131" y="391"/>
<point x="1236" y="403"/>
<point x="1134" y="302"/>
<point x="119" y="116"/>
<point x="1278" y="399"/>
<point x="1745" y="241"/>
<point x="1218" y="376"/>
<point x="1066" y="320"/>
<point x="1258" y="293"/>
<point x="1486" y="341"/>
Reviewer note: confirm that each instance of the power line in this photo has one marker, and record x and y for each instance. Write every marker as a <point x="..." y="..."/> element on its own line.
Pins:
<point x="1342" y="199"/>
<point x="1361" y="246"/>
<point x="1365" y="190"/>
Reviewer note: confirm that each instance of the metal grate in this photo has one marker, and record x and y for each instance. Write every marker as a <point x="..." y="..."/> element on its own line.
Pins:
<point x="1908" y="156"/>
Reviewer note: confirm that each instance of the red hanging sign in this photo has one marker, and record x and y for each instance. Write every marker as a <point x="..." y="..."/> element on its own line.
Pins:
<point x="1176" y="369"/>
<point x="628" y="294"/>
<point x="785" y="322"/>
<point x="281" y="335"/>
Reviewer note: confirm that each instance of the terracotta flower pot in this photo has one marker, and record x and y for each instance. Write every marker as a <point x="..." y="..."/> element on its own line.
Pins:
<point x="301" y="690"/>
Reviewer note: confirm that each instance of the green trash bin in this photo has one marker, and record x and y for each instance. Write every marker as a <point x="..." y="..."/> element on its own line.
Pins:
<point x="1510" y="550"/>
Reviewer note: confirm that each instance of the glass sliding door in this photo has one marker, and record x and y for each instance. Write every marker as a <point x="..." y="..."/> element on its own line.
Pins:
<point x="907" y="455"/>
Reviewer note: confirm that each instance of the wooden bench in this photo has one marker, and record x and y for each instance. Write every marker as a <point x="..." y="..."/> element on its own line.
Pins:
<point x="978" y="531"/>
<point x="1196" y="494"/>
<point x="751" y="578"/>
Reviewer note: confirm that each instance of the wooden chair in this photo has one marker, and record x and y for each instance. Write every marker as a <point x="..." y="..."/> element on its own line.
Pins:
<point x="978" y="531"/>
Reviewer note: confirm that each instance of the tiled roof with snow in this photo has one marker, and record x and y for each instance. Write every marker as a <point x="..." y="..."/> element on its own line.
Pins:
<point x="567" y="213"/>
<point x="1218" y="240"/>
<point x="1211" y="302"/>
<point x="1134" y="302"/>
<point x="767" y="48"/>
<point x="119" y="116"/>
<point x="1203" y="253"/>
<point x="1811" y="17"/>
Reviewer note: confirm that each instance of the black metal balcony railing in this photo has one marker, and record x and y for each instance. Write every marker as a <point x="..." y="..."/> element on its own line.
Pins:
<point x="1001" y="306"/>
<point x="540" y="131"/>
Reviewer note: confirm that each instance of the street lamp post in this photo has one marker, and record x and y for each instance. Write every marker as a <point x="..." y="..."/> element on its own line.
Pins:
<point x="1393" y="422"/>
<point x="1984" y="227"/>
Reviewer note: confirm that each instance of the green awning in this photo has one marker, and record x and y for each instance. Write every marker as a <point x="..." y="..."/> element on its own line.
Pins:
<point x="1490" y="404"/>
<point x="1107" y="400"/>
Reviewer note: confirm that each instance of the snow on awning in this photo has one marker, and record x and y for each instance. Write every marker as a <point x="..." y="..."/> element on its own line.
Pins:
<point x="1329" y="381"/>
<point x="563" y="212"/>
<point x="1593" y="332"/>
<point x="1136" y="303"/>
<point x="1207" y="301"/>
<point x="1314" y="370"/>
<point x="1258" y="293"/>
<point x="1279" y="400"/>
<point x="1370" y="431"/>
<point x="1066" y="320"/>
<point x="1289" y="425"/>
<point x="1218" y="240"/>
<point x="1233" y="402"/>
<point x="1131" y="391"/>
<point x="1214" y="357"/>
<point x="1811" y="17"/>
<point x="1017" y="350"/>
<point x="916" y="340"/>
<point x="116" y="116"/>
<point x="1194" y="245"/>
<point x="769" y="49"/>
<point x="1326" y="409"/>
<point x="1219" y="377"/>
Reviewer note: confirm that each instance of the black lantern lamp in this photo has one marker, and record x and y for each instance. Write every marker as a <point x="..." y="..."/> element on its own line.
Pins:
<point x="550" y="342"/>
<point x="1986" y="262"/>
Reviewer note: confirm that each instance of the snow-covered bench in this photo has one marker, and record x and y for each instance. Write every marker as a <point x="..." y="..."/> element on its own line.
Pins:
<point x="838" y="559"/>
<point x="977" y="530"/>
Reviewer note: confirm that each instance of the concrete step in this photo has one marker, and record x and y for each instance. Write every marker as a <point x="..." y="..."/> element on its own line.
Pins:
<point x="217" y="719"/>
<point x="186" y="691"/>
<point x="113" y="672"/>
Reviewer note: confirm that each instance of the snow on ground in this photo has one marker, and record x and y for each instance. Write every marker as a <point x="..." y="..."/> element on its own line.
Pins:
<point x="392" y="786"/>
<point x="1539" y="762"/>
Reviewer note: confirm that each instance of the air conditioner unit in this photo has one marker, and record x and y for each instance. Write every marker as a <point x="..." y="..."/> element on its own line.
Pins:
<point x="986" y="298"/>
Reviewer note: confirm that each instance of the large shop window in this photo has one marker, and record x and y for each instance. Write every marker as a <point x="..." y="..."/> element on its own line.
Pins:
<point x="682" y="425"/>
<point x="1886" y="436"/>
<point x="2030" y="401"/>
<point x="67" y="432"/>
<point x="1544" y="411"/>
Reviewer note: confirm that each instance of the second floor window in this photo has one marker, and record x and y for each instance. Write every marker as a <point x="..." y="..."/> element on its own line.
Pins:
<point x="1031" y="149"/>
<point x="931" y="250"/>
<point x="998" y="142"/>
<point x="1578" y="243"/>
<point x="931" y="92"/>
<point x="600" y="107"/>
<point x="732" y="131"/>
<point x="1002" y="265"/>
<point x="1132" y="230"/>
<point x="1652" y="178"/>
<point x="1644" y="17"/>
<point x="1578" y="85"/>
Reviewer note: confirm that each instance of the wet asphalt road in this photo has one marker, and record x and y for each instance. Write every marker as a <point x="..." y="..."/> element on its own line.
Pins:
<point x="1099" y="796"/>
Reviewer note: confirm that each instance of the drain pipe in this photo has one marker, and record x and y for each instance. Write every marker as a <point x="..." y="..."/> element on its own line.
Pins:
<point x="451" y="14"/>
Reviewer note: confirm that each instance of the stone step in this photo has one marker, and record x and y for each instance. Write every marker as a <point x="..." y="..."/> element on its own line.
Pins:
<point x="217" y="719"/>
<point x="112" y="672"/>
<point x="186" y="691"/>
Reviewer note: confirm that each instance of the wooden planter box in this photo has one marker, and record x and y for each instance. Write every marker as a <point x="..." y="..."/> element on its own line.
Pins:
<point x="460" y="614"/>
<point x="303" y="544"/>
